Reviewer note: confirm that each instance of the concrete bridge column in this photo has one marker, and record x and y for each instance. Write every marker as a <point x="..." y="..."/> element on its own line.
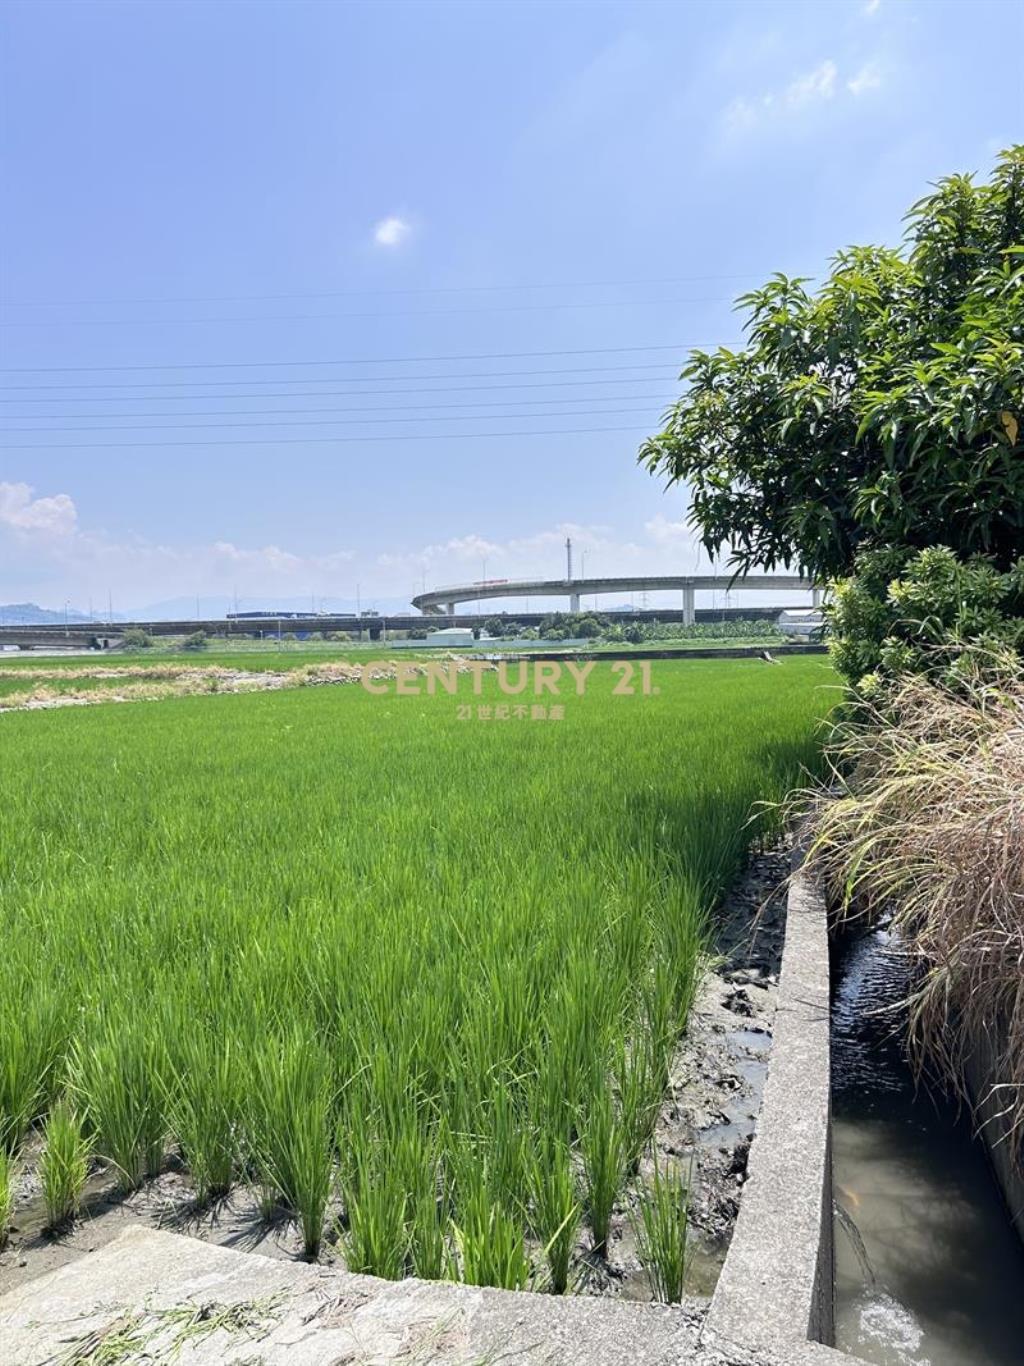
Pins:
<point x="451" y="609"/>
<point x="816" y="597"/>
<point x="689" y="605"/>
<point x="574" y="602"/>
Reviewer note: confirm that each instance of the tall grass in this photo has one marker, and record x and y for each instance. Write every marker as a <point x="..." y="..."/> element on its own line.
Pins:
<point x="320" y="941"/>
<point x="925" y="819"/>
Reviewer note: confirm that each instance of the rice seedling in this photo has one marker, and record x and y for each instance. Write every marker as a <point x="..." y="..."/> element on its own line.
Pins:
<point x="640" y="1090"/>
<point x="289" y="1130"/>
<point x="6" y="1196"/>
<point x="117" y="1072"/>
<point x="308" y="926"/>
<point x="603" y="1150"/>
<point x="63" y="1164"/>
<point x="375" y="1238"/>
<point x="556" y="1209"/>
<point x="205" y="1107"/>
<point x="659" y="1223"/>
<point x="489" y="1239"/>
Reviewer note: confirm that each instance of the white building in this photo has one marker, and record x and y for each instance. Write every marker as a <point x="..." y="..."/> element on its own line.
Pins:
<point x="449" y="637"/>
<point x="801" y="621"/>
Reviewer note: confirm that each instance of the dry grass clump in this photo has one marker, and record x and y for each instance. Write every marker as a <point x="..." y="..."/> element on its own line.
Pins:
<point x="929" y="823"/>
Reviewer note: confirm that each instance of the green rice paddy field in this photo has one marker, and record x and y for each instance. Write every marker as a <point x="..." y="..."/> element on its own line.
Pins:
<point x="368" y="956"/>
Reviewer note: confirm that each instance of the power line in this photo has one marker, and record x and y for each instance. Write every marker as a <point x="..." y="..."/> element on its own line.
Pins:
<point x="318" y="440"/>
<point x="377" y="293"/>
<point x="368" y="360"/>
<point x="336" y="379"/>
<point x="330" y="422"/>
<point x="326" y="393"/>
<point x="394" y="313"/>
<point x="306" y="412"/>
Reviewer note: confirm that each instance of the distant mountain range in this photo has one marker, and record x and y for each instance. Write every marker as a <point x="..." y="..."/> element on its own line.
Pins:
<point x="188" y="609"/>
<point x="29" y="614"/>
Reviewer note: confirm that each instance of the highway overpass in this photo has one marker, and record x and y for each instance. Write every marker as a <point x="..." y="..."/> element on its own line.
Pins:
<point x="445" y="600"/>
<point x="82" y="635"/>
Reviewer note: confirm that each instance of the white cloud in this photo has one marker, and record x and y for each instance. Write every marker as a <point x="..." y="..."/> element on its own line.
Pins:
<point x="19" y="509"/>
<point x="872" y="7"/>
<point x="812" y="88"/>
<point x="867" y="78"/>
<point x="819" y="84"/>
<point x="804" y="97"/>
<point x="45" y="556"/>
<point x="391" y="232"/>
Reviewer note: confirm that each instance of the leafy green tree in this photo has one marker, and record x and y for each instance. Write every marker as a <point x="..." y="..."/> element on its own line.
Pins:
<point x="196" y="641"/>
<point x="882" y="410"/>
<point x="135" y="638"/>
<point x="915" y="611"/>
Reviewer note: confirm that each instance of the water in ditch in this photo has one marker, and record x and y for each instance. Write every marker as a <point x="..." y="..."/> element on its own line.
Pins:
<point x="929" y="1270"/>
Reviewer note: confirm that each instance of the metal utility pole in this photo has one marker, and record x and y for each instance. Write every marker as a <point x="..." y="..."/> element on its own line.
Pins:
<point x="568" y="559"/>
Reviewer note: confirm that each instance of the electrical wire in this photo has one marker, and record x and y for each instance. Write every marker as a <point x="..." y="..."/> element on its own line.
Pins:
<point x="366" y="360"/>
<point x="306" y="412"/>
<point x="394" y="313"/>
<point x="329" y="422"/>
<point x="321" y="440"/>
<point x="376" y="293"/>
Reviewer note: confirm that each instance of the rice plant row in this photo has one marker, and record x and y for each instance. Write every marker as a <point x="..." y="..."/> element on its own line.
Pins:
<point x="339" y="945"/>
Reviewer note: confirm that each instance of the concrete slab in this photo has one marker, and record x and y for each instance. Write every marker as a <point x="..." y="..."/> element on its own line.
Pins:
<point x="153" y="1296"/>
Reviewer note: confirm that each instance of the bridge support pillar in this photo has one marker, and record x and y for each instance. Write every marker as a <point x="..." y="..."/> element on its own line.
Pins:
<point x="574" y="602"/>
<point x="451" y="609"/>
<point x="816" y="597"/>
<point x="689" y="605"/>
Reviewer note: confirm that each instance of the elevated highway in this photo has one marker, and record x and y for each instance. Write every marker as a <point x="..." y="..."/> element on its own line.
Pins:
<point x="445" y="600"/>
<point x="83" y="635"/>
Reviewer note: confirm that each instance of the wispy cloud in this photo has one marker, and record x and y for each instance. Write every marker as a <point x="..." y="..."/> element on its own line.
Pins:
<point x="819" y="84"/>
<point x="800" y="98"/>
<point x="391" y="232"/>
<point x="872" y="7"/>
<point x="867" y="78"/>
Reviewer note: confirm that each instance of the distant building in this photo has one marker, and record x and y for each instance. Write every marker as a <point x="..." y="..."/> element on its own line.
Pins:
<point x="449" y="636"/>
<point x="800" y="621"/>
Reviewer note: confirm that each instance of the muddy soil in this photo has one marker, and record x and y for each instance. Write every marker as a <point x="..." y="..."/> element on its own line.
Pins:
<point x="708" y="1119"/>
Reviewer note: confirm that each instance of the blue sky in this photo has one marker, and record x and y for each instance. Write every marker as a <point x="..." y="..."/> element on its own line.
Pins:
<point x="218" y="198"/>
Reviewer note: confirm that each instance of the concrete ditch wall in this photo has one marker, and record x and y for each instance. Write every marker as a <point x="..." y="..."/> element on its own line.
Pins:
<point x="994" y="1124"/>
<point x="775" y="1294"/>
